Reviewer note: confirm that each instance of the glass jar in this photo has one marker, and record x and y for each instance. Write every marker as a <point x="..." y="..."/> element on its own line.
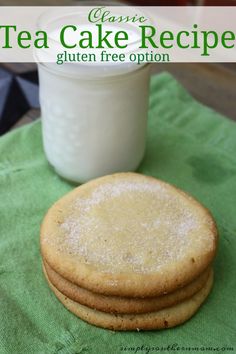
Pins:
<point x="94" y="117"/>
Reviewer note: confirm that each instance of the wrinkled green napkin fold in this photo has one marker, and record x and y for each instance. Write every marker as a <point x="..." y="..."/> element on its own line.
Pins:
<point x="188" y="145"/>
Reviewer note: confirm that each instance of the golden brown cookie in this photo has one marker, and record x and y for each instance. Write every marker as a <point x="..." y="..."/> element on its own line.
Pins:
<point x="128" y="235"/>
<point x="166" y="318"/>
<point x="116" y="304"/>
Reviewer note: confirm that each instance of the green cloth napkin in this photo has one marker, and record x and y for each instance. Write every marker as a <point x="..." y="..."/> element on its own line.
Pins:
<point x="188" y="145"/>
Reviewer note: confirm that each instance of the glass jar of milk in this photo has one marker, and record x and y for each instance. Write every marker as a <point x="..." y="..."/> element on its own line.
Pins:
<point x="94" y="117"/>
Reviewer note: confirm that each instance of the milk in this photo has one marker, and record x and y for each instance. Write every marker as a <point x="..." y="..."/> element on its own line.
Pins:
<point x="94" y="117"/>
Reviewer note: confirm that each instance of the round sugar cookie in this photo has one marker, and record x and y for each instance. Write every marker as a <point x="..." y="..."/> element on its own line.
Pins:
<point x="166" y="318"/>
<point x="128" y="235"/>
<point x="115" y="304"/>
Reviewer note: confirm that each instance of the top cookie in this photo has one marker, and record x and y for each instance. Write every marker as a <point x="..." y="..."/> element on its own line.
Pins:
<point x="128" y="235"/>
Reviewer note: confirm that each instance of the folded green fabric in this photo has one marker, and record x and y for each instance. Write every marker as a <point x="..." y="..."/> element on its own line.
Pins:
<point x="190" y="146"/>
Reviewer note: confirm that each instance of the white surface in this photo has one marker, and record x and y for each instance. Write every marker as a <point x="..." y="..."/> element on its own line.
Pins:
<point x="94" y="127"/>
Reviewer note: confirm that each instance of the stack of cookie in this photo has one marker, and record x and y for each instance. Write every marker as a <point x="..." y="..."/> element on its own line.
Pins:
<point x="129" y="252"/>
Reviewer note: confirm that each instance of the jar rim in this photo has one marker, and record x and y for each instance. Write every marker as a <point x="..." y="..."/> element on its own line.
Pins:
<point x="55" y="69"/>
<point x="53" y="18"/>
